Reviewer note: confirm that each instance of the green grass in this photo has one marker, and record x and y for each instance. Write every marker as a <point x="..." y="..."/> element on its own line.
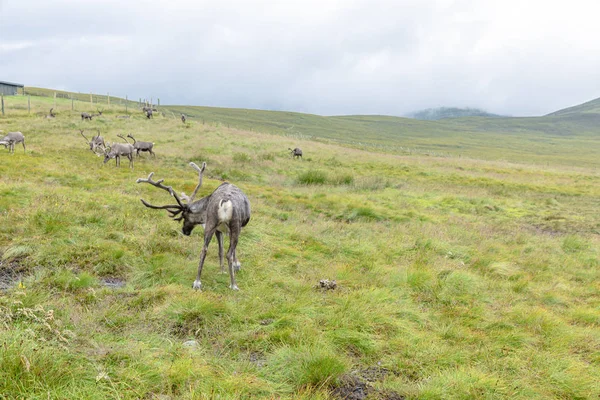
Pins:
<point x="462" y="277"/>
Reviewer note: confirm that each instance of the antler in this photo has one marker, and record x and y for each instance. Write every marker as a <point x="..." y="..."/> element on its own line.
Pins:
<point x="81" y="131"/>
<point x="200" y="173"/>
<point x="127" y="141"/>
<point x="176" y="208"/>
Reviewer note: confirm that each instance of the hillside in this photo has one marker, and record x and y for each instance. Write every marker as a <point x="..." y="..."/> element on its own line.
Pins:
<point x="592" y="106"/>
<point x="456" y="278"/>
<point x="567" y="138"/>
<point x="434" y="114"/>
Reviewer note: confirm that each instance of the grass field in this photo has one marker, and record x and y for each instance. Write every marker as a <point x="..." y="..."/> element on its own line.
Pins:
<point x="458" y="277"/>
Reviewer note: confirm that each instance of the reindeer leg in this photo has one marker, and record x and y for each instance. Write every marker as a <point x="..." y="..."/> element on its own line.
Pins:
<point x="237" y="264"/>
<point x="233" y="241"/>
<point x="24" y="146"/>
<point x="208" y="234"/>
<point x="220" y="241"/>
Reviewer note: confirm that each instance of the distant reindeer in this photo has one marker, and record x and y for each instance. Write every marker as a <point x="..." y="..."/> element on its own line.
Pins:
<point x="51" y="114"/>
<point x="123" y="116"/>
<point x="116" y="151"/>
<point x="225" y="210"/>
<point x="11" y="139"/>
<point x="183" y="118"/>
<point x="96" y="143"/>
<point x="99" y="113"/>
<point x="140" y="146"/>
<point x="297" y="152"/>
<point x="86" y="116"/>
<point x="149" y="113"/>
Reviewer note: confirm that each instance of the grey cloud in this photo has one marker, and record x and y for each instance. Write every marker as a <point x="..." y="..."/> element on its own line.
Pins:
<point x="324" y="57"/>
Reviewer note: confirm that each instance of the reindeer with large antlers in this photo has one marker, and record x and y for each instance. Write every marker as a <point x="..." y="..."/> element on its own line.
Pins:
<point x="97" y="142"/>
<point x="225" y="210"/>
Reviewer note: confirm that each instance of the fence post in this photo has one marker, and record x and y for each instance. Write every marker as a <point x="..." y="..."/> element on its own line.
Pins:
<point x="126" y="104"/>
<point x="28" y="104"/>
<point x="158" y="102"/>
<point x="108" y="98"/>
<point x="2" y="103"/>
<point x="54" y="99"/>
<point x="91" y="99"/>
<point x="72" y="105"/>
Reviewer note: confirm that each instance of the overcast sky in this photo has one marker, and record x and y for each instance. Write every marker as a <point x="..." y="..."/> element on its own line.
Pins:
<point x="328" y="57"/>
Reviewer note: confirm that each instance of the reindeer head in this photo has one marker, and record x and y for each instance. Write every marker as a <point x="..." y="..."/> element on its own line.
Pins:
<point x="108" y="153"/>
<point x="191" y="212"/>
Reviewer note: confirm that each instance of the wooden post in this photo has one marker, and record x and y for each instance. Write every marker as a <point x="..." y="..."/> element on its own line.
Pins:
<point x="72" y="105"/>
<point x="126" y="104"/>
<point x="2" y="96"/>
<point x="54" y="99"/>
<point x="158" y="102"/>
<point x="108" y="98"/>
<point x="91" y="99"/>
<point x="28" y="104"/>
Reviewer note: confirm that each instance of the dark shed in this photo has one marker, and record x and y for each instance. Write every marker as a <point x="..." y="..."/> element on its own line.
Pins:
<point x="8" y="88"/>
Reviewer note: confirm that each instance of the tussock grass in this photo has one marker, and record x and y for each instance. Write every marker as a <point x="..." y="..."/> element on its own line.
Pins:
<point x="463" y="278"/>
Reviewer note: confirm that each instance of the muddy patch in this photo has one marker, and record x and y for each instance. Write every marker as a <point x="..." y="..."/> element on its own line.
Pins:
<point x="11" y="273"/>
<point x="358" y="385"/>
<point x="351" y="387"/>
<point x="258" y="358"/>
<point x="113" y="283"/>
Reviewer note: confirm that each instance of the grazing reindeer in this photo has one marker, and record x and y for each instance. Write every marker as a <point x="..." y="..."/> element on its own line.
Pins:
<point x="86" y="116"/>
<point x="123" y="116"/>
<point x="97" y="142"/>
<point x="183" y="118"/>
<point x="149" y="113"/>
<point x="11" y="139"/>
<point x="141" y="146"/>
<point x="51" y="114"/>
<point x="225" y="210"/>
<point x="99" y="113"/>
<point x="297" y="152"/>
<point x="116" y="150"/>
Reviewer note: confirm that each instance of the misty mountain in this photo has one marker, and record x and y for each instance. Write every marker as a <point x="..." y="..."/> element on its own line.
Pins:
<point x="432" y="114"/>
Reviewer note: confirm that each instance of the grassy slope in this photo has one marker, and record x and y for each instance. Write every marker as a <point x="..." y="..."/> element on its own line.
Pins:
<point x="462" y="278"/>
<point x="552" y="139"/>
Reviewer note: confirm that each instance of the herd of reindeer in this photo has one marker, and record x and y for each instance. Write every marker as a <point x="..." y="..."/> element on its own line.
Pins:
<point x="225" y="211"/>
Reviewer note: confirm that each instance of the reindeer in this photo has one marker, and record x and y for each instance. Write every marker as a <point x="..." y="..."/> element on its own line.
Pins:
<point x="123" y="116"/>
<point x="149" y="113"/>
<point x="297" y="152"/>
<point x="99" y="113"/>
<point x="183" y="118"/>
<point x="97" y="142"/>
<point x="140" y="146"/>
<point x="116" y="150"/>
<point x="51" y="114"/>
<point x="86" y="116"/>
<point x="11" y="139"/>
<point x="225" y="210"/>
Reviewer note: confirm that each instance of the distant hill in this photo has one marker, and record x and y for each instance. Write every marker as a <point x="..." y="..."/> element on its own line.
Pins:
<point x="592" y="106"/>
<point x="434" y="114"/>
